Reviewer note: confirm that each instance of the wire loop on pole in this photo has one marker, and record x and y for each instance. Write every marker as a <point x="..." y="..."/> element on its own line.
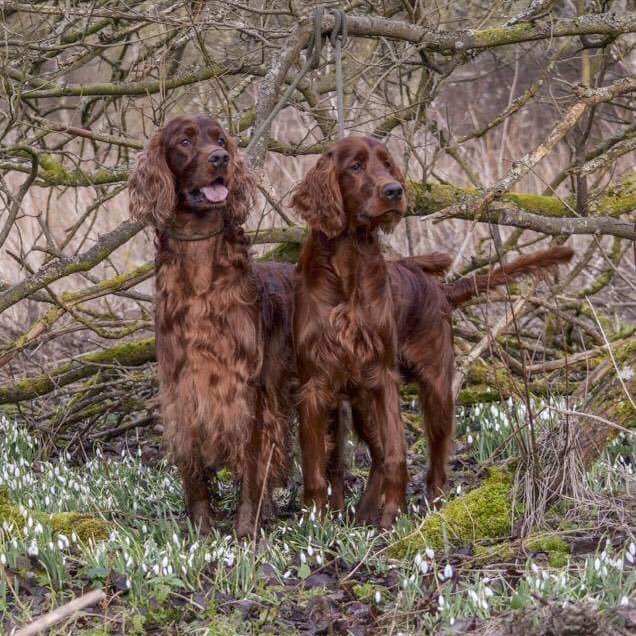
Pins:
<point x="314" y="48"/>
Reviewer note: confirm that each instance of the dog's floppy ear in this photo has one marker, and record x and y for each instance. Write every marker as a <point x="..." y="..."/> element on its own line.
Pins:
<point x="152" y="197"/>
<point x="318" y="200"/>
<point x="242" y="186"/>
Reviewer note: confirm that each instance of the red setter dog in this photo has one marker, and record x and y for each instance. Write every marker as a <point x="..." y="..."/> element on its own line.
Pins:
<point x="359" y="321"/>
<point x="223" y="323"/>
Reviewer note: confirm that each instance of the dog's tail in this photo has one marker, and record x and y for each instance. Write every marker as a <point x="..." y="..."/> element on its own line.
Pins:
<point x="434" y="263"/>
<point x="534" y="264"/>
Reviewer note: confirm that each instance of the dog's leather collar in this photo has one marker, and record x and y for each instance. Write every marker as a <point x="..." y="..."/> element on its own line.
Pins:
<point x="190" y="238"/>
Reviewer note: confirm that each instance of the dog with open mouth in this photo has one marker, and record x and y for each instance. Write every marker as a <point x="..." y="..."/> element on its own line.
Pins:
<point x="223" y="322"/>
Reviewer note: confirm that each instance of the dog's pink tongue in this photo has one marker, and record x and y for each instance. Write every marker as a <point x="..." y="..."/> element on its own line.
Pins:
<point x="215" y="193"/>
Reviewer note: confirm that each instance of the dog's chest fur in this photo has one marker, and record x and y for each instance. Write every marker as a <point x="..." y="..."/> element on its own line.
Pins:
<point x="358" y="326"/>
<point x="207" y="318"/>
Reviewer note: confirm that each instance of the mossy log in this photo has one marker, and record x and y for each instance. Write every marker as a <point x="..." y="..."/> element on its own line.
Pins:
<point x="485" y="513"/>
<point x="86" y="527"/>
<point x="129" y="354"/>
<point x="546" y="214"/>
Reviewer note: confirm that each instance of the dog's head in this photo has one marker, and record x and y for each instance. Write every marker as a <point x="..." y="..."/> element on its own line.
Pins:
<point x="356" y="184"/>
<point x="190" y="166"/>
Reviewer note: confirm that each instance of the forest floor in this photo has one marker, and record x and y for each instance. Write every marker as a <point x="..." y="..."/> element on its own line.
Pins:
<point x="574" y="575"/>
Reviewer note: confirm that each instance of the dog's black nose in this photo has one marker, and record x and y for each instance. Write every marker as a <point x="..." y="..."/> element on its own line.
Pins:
<point x="219" y="158"/>
<point x="393" y="191"/>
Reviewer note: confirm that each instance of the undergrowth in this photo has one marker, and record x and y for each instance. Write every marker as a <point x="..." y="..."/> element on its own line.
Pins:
<point x="303" y="573"/>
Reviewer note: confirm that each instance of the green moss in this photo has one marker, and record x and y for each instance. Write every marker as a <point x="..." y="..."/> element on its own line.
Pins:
<point x="620" y="199"/>
<point x="482" y="514"/>
<point x="366" y="591"/>
<point x="409" y="392"/>
<point x="539" y="204"/>
<point x="54" y="173"/>
<point x="502" y="35"/>
<point x="225" y="476"/>
<point x="478" y="394"/>
<point x="557" y="549"/>
<point x="497" y="552"/>
<point x="133" y="353"/>
<point x="282" y="253"/>
<point x="85" y="526"/>
<point x="431" y="197"/>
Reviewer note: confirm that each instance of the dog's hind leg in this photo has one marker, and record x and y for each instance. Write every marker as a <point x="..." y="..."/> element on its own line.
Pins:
<point x="439" y="420"/>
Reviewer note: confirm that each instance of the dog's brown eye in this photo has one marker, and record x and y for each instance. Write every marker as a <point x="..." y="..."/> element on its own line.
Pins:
<point x="221" y="142"/>
<point x="387" y="164"/>
<point x="356" y="166"/>
<point x="185" y="142"/>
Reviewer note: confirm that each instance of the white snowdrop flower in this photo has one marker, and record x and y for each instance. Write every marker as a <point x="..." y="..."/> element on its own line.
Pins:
<point x="312" y="516"/>
<point x="378" y="597"/>
<point x="624" y="600"/>
<point x="441" y="602"/>
<point x="310" y="550"/>
<point x="473" y="596"/>
<point x="534" y="568"/>
<point x="169" y="569"/>
<point x="629" y="556"/>
<point x="155" y="569"/>
<point x="33" y="549"/>
<point x="412" y="578"/>
<point x="229" y="559"/>
<point x="488" y="592"/>
<point x="484" y="604"/>
<point x="632" y="548"/>
<point x="51" y="545"/>
<point x="287" y="574"/>
<point x="452" y="620"/>
<point x="319" y="559"/>
<point x="418" y="560"/>
<point x="405" y="583"/>
<point x="329" y="491"/>
<point x="303" y="558"/>
<point x="3" y="558"/>
<point x="164" y="562"/>
<point x="597" y="564"/>
<point x="38" y="529"/>
<point x="175" y="539"/>
<point x="144" y="568"/>
<point x="144" y="528"/>
<point x="207" y="557"/>
<point x="458" y="490"/>
<point x="604" y="570"/>
<point x="430" y="553"/>
<point x="448" y="571"/>
<point x="127" y="584"/>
